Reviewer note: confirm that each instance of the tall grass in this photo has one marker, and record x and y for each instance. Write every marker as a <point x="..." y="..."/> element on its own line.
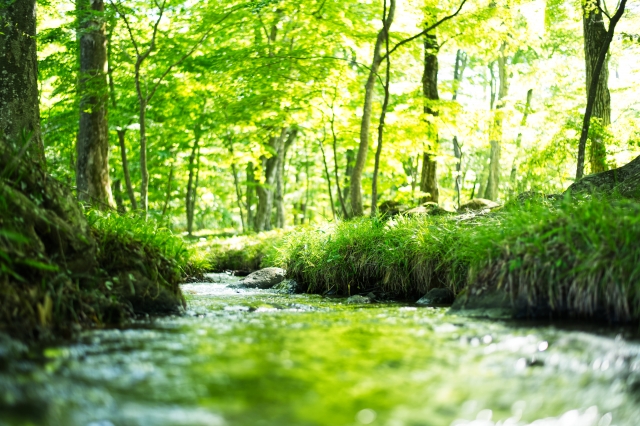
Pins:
<point x="577" y="257"/>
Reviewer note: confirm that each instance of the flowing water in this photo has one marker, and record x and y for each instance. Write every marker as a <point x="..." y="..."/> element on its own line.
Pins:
<point x="259" y="357"/>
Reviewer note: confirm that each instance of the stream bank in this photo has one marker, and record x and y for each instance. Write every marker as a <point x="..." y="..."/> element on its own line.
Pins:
<point x="261" y="357"/>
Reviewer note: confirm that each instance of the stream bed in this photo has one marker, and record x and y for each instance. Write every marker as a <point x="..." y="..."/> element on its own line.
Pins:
<point x="260" y="357"/>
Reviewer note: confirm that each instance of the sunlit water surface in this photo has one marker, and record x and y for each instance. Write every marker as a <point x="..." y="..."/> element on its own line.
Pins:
<point x="263" y="358"/>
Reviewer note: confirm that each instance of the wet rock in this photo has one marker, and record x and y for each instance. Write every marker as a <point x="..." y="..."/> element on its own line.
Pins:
<point x="357" y="300"/>
<point x="289" y="287"/>
<point x="264" y="278"/>
<point x="437" y="297"/>
<point x="483" y="303"/>
<point x="478" y="204"/>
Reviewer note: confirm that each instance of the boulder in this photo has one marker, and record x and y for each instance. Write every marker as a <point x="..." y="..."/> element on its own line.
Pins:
<point x="264" y="278"/>
<point x="428" y="208"/>
<point x="437" y="297"/>
<point x="478" y="204"/>
<point x="358" y="299"/>
<point x="624" y="180"/>
<point x="289" y="287"/>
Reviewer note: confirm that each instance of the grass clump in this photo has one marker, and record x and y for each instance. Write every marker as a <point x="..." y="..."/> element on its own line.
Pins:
<point x="245" y="253"/>
<point x="572" y="257"/>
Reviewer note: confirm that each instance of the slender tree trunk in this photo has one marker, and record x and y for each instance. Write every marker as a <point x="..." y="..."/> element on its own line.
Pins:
<point x="144" y="171"/>
<point x="265" y="190"/>
<point x="351" y="161"/>
<point x="428" y="179"/>
<point x="250" y="194"/>
<point x="92" y="167"/>
<point x="167" y="196"/>
<point x="19" y="103"/>
<point x="383" y="114"/>
<point x="514" y="166"/>
<point x="191" y="185"/>
<point x="363" y="148"/>
<point x="236" y="183"/>
<point x="334" y="138"/>
<point x="492" y="189"/>
<point x="125" y="168"/>
<point x="595" y="36"/>
<point x="328" y="179"/>
<point x="117" y="194"/>
<point x="458" y="72"/>
<point x="280" y="184"/>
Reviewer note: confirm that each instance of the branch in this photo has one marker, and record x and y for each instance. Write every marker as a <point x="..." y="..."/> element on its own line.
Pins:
<point x="126" y="21"/>
<point x="425" y="31"/>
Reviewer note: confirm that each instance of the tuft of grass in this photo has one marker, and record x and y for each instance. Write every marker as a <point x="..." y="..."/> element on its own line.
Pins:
<point x="572" y="257"/>
<point x="245" y="253"/>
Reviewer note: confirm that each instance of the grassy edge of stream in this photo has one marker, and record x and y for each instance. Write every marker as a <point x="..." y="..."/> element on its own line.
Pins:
<point x="573" y="257"/>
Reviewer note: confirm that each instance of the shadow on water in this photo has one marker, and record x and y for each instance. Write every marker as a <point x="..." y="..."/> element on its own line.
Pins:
<point x="259" y="357"/>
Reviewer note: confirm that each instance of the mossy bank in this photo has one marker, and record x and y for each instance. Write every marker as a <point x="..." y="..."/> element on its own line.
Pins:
<point x="573" y="257"/>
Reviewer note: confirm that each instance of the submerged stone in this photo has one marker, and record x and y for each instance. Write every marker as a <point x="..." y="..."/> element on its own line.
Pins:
<point x="264" y="278"/>
<point x="436" y="297"/>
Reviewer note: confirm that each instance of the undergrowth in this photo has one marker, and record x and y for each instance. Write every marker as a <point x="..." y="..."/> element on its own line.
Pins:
<point x="242" y="253"/>
<point x="575" y="257"/>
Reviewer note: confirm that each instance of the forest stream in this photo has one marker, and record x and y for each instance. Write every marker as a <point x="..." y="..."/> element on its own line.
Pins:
<point x="260" y="357"/>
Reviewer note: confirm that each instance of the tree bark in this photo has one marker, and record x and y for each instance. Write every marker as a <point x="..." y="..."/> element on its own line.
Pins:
<point x="92" y="167"/>
<point x="595" y="36"/>
<point x="191" y="182"/>
<point x="592" y="91"/>
<point x="280" y="184"/>
<point x="265" y="190"/>
<point x="125" y="167"/>
<point x="363" y="148"/>
<point x="19" y="103"/>
<point x="250" y="194"/>
<point x="458" y="72"/>
<point x="428" y="178"/>
<point x="328" y="179"/>
<point x="492" y="189"/>
<point x="514" y="166"/>
<point x="167" y="193"/>
<point x="383" y="114"/>
<point x="334" y="138"/>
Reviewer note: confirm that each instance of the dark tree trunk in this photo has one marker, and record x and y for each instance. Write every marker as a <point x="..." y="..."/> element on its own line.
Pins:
<point x="265" y="190"/>
<point x="250" y="194"/>
<point x="458" y="72"/>
<point x="125" y="168"/>
<point x="428" y="178"/>
<point x="492" y="190"/>
<point x="383" y="114"/>
<point x="117" y="194"/>
<point x="595" y="36"/>
<point x="190" y="198"/>
<point x="363" y="148"/>
<point x="19" y="103"/>
<point x="92" y="167"/>
<point x="280" y="177"/>
<point x="167" y="193"/>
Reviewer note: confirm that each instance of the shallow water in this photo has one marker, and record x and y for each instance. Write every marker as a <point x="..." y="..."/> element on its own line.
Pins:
<point x="263" y="358"/>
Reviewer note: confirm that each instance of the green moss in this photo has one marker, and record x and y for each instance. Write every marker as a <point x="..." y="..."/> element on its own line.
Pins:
<point x="243" y="253"/>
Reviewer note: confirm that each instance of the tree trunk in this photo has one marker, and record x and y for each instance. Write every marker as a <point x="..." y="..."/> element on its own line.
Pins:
<point x="383" y="114"/>
<point x="19" y="103"/>
<point x="328" y="179"/>
<point x="92" y="167"/>
<point x="279" y="195"/>
<point x="341" y="195"/>
<point x="117" y="194"/>
<point x="493" y="183"/>
<point x="265" y="190"/>
<point x="250" y="194"/>
<point x="592" y="91"/>
<point x="191" y="184"/>
<point x="525" y="115"/>
<point x="167" y="193"/>
<point x="428" y="178"/>
<point x="363" y="148"/>
<point x="351" y="161"/>
<point x="595" y="36"/>
<point x="125" y="168"/>
<point x="461" y="64"/>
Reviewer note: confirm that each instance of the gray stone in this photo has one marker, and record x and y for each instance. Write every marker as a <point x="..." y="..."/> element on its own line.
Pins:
<point x="483" y="303"/>
<point x="437" y="297"/>
<point x="289" y="287"/>
<point x="478" y="204"/>
<point x="357" y="299"/>
<point x="264" y="278"/>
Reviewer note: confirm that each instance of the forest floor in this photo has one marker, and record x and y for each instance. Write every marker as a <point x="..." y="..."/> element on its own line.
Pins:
<point x="572" y="257"/>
